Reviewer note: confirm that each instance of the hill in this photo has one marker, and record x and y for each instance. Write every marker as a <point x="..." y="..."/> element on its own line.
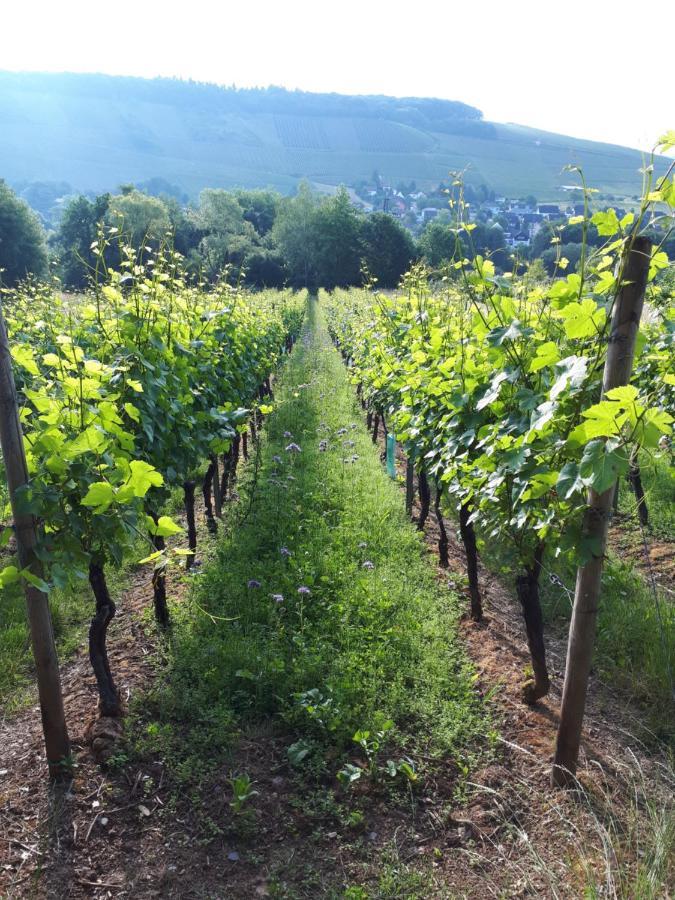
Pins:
<point x="95" y="131"/>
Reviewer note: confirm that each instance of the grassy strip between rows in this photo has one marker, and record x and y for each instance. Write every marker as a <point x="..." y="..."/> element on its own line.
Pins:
<point x="323" y="614"/>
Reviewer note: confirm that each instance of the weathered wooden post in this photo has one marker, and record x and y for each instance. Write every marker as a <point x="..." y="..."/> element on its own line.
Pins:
<point x="619" y="363"/>
<point x="54" y="727"/>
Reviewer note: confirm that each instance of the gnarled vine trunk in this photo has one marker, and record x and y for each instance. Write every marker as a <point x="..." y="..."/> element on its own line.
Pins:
<point x="443" y="534"/>
<point x="527" y="588"/>
<point x="159" y="587"/>
<point x="425" y="499"/>
<point x="109" y="701"/>
<point x="236" y="446"/>
<point x="207" y="491"/>
<point x="409" y="486"/>
<point x="635" y="479"/>
<point x="217" y="497"/>
<point x="189" y="497"/>
<point x="468" y="536"/>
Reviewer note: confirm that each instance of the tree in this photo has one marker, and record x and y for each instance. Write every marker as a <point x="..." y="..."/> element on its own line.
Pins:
<point x="295" y="233"/>
<point x="338" y="236"/>
<point x="23" y="250"/>
<point x="259" y="208"/>
<point x="221" y="221"/>
<point x="388" y="248"/>
<point x="437" y="244"/>
<point x="140" y="218"/>
<point x="75" y="236"/>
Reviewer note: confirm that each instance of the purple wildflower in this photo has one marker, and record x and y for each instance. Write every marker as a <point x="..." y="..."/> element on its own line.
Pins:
<point x="362" y="545"/>
<point x="304" y="591"/>
<point x="368" y="565"/>
<point x="323" y="445"/>
<point x="253" y="583"/>
<point x="276" y="459"/>
<point x="341" y="431"/>
<point x="278" y="598"/>
<point x="287" y="434"/>
<point x="348" y="443"/>
<point x="285" y="552"/>
<point x="293" y="448"/>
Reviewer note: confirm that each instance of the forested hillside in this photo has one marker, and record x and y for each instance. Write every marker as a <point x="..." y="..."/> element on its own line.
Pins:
<point x="103" y="130"/>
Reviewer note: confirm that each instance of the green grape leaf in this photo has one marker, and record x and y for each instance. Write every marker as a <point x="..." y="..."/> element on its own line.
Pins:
<point x="165" y="527"/>
<point x="607" y="222"/>
<point x="569" y="482"/>
<point x="547" y="355"/>
<point x="143" y="477"/>
<point x="38" y="583"/>
<point x="625" y="394"/>
<point x="9" y="575"/>
<point x="132" y="412"/>
<point x="651" y="426"/>
<point x="23" y="356"/>
<point x="100" y="495"/>
<point x="582" y="319"/>
<point x="151" y="558"/>
<point x="572" y="375"/>
<point x="601" y="464"/>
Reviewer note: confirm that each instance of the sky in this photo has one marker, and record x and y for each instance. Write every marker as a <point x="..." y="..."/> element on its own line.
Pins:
<point x="586" y="68"/>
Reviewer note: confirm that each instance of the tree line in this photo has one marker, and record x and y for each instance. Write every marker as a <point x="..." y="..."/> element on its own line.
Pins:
<point x="307" y="240"/>
<point x="265" y="239"/>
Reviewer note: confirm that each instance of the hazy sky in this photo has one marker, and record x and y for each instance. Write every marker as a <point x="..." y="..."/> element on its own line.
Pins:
<point x="589" y="69"/>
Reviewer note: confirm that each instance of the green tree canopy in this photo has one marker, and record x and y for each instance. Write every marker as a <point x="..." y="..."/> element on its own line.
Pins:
<point x="388" y="248"/>
<point x="437" y="243"/>
<point x="75" y="236"/>
<point x="338" y="237"/>
<point x="259" y="208"/>
<point x="23" y="250"/>
<point x="139" y="217"/>
<point x="295" y="233"/>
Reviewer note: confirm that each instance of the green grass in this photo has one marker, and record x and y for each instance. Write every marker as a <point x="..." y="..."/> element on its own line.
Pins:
<point x="365" y="645"/>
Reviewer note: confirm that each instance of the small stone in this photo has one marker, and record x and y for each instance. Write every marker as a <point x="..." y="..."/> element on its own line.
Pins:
<point x="104" y="821"/>
<point x="233" y="857"/>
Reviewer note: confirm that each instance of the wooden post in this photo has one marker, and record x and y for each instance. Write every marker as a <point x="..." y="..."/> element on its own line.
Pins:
<point x="54" y="727"/>
<point x="619" y="363"/>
